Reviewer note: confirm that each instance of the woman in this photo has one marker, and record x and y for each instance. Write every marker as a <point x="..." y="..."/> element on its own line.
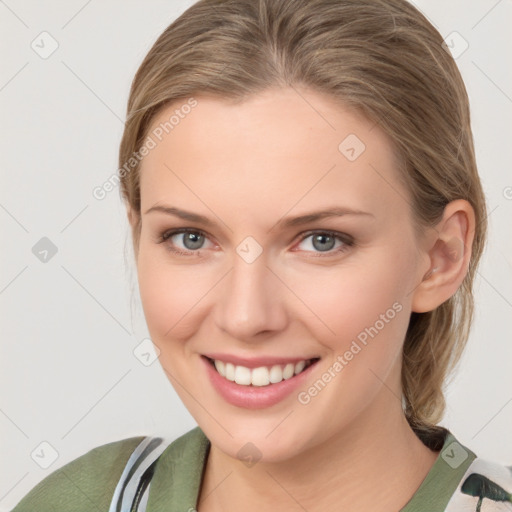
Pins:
<point x="307" y="221"/>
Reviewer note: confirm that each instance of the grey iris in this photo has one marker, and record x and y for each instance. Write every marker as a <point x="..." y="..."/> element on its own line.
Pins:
<point x="321" y="238"/>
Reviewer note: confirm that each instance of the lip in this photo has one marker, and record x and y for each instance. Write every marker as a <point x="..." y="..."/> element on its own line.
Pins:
<point x="255" y="397"/>
<point x="256" y="362"/>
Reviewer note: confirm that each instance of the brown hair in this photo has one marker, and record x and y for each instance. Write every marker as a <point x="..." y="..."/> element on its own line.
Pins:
<point x="381" y="57"/>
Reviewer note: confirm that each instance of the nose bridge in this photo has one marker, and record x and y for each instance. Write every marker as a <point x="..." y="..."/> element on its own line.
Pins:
<point x="250" y="301"/>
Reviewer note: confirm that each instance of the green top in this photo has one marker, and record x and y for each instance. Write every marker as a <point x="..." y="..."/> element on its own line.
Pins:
<point x="88" y="482"/>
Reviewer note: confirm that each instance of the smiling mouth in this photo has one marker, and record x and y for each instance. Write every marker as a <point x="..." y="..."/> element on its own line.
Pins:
<point x="261" y="376"/>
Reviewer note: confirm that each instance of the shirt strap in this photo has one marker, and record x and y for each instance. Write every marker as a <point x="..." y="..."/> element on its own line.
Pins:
<point x="131" y="492"/>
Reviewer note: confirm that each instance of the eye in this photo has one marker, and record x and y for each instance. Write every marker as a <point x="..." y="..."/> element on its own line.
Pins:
<point x="192" y="240"/>
<point x="325" y="242"/>
<point x="320" y="243"/>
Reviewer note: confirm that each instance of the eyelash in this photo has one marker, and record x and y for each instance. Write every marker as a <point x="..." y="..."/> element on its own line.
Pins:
<point x="347" y="240"/>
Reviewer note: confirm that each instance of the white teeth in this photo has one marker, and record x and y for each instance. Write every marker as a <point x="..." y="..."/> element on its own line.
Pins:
<point x="299" y="366"/>
<point x="261" y="376"/>
<point x="288" y="371"/>
<point x="230" y="372"/>
<point x="219" y="365"/>
<point x="276" y="374"/>
<point x="242" y="375"/>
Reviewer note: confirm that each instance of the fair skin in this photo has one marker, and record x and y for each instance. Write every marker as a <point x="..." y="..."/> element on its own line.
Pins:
<point x="246" y="166"/>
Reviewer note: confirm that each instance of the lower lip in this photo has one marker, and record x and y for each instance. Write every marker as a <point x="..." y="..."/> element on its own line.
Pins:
<point x="255" y="397"/>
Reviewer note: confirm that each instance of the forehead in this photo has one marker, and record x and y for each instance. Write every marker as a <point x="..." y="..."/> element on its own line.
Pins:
<point x="281" y="147"/>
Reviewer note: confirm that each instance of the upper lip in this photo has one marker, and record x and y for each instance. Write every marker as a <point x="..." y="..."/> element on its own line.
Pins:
<point x="256" y="362"/>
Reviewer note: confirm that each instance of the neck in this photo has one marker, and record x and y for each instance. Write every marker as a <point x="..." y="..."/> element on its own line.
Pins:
<point x="377" y="459"/>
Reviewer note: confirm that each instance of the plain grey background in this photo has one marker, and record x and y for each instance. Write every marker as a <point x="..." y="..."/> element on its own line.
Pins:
<point x="72" y="323"/>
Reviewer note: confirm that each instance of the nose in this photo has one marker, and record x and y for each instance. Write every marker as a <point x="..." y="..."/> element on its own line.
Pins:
<point x="250" y="301"/>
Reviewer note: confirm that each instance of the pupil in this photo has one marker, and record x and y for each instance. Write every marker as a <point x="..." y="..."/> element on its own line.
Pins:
<point x="321" y="238"/>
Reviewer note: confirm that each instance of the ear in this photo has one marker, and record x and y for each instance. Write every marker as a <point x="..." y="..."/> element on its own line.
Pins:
<point x="131" y="215"/>
<point x="448" y="253"/>
<point x="133" y="219"/>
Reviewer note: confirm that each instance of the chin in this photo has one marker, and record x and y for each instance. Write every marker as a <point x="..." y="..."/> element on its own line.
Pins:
<point x="260" y="443"/>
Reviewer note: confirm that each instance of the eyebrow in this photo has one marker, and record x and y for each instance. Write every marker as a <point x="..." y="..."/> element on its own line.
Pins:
<point x="286" y="222"/>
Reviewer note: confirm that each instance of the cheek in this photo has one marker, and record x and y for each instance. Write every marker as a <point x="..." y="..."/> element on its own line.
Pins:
<point x="351" y="299"/>
<point x="171" y="295"/>
<point x="367" y="311"/>
<point x="363" y="308"/>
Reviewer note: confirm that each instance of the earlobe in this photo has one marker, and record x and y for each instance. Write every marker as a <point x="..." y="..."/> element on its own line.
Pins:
<point x="449" y="257"/>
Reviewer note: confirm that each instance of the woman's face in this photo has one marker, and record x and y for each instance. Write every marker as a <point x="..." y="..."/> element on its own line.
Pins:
<point x="267" y="281"/>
